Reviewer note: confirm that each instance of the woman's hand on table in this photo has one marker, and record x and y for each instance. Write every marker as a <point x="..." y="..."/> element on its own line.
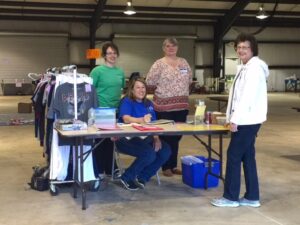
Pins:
<point x="147" y="118"/>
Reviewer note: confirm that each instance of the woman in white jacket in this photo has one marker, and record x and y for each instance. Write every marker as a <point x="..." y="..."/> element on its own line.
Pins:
<point x="246" y="111"/>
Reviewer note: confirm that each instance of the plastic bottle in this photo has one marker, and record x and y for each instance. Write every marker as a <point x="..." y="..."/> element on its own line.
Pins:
<point x="199" y="113"/>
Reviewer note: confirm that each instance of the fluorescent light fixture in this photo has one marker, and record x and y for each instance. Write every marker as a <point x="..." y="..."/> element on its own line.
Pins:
<point x="261" y="13"/>
<point x="129" y="8"/>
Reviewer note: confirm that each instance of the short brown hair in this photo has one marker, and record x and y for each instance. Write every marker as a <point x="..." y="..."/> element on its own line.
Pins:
<point x="247" y="37"/>
<point x="111" y="45"/>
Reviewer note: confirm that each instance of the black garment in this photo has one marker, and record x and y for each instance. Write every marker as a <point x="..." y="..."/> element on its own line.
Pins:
<point x="39" y="113"/>
<point x="103" y="156"/>
<point x="173" y="141"/>
<point x="49" y="126"/>
<point x="49" y="133"/>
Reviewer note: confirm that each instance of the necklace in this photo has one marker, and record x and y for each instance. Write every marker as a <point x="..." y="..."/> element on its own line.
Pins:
<point x="173" y="62"/>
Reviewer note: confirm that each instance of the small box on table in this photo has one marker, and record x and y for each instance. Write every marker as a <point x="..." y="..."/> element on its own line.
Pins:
<point x="102" y="117"/>
<point x="194" y="171"/>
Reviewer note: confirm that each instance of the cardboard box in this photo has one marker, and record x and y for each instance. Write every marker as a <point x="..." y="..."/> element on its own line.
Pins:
<point x="214" y="116"/>
<point x="194" y="174"/>
<point x="24" y="107"/>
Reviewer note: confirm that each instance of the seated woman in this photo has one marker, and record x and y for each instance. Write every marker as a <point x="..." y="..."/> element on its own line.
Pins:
<point x="150" y="152"/>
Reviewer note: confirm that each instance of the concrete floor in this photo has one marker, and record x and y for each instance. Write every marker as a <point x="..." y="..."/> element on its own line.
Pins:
<point x="278" y="159"/>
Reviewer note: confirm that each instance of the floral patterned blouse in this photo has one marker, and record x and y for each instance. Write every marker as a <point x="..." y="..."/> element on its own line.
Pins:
<point x="170" y="84"/>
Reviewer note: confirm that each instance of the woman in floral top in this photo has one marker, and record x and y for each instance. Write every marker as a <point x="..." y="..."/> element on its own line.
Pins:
<point x="170" y="78"/>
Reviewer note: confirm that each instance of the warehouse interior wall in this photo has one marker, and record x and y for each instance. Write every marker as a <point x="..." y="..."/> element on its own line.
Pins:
<point x="137" y="52"/>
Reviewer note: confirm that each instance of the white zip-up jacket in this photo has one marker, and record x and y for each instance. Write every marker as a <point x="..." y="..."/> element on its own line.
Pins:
<point x="248" y="103"/>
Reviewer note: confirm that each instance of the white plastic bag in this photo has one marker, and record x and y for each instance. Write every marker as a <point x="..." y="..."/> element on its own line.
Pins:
<point x="190" y="160"/>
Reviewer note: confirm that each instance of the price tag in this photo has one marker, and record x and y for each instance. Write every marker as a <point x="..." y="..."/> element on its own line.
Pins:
<point x="88" y="88"/>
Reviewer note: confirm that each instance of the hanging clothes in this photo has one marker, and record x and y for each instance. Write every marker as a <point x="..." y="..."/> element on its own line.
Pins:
<point x="62" y="107"/>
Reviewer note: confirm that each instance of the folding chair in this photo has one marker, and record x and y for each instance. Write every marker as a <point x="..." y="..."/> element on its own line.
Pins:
<point x="117" y="159"/>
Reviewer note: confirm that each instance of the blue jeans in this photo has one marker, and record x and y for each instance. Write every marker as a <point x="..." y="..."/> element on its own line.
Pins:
<point x="147" y="161"/>
<point x="241" y="149"/>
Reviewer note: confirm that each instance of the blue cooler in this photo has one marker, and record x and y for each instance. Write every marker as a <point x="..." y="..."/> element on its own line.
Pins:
<point x="193" y="171"/>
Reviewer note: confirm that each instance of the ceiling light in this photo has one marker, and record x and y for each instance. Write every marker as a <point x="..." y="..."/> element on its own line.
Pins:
<point x="129" y="8"/>
<point x="261" y="13"/>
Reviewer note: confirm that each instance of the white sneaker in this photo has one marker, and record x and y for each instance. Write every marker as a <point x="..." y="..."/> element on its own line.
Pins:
<point x="101" y="176"/>
<point x="251" y="203"/>
<point x="223" y="202"/>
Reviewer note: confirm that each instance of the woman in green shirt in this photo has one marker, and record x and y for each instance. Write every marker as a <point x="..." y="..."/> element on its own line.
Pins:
<point x="109" y="80"/>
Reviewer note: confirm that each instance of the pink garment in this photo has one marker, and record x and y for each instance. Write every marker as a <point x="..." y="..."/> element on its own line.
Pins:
<point x="171" y="85"/>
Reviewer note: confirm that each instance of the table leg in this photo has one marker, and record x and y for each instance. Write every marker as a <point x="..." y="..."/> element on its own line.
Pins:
<point x="221" y="156"/>
<point x="210" y="151"/>
<point x="76" y="169"/>
<point x="209" y="162"/>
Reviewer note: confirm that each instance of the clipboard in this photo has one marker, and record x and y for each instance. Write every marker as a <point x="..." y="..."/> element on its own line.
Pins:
<point x="107" y="127"/>
<point x="161" y="121"/>
<point x="146" y="127"/>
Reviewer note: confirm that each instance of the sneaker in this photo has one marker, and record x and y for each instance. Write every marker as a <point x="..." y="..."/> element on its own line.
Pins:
<point x="176" y="171"/>
<point x="101" y="176"/>
<point x="129" y="185"/>
<point x="117" y="174"/>
<point x="223" y="202"/>
<point x="94" y="185"/>
<point x="140" y="183"/>
<point x="251" y="203"/>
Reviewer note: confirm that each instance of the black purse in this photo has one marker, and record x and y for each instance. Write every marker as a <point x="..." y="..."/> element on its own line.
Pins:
<point x="40" y="178"/>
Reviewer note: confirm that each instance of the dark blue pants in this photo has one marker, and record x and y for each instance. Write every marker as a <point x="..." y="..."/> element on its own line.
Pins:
<point x="103" y="156"/>
<point x="147" y="161"/>
<point x="241" y="149"/>
<point x="172" y="140"/>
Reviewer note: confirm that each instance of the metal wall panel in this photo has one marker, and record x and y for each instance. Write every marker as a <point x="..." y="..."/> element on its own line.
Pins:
<point x="23" y="54"/>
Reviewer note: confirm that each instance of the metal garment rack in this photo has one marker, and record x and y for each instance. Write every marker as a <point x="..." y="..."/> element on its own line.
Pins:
<point x="69" y="69"/>
<point x="53" y="189"/>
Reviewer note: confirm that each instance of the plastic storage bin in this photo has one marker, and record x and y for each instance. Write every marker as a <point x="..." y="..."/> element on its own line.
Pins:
<point x="193" y="172"/>
<point x="102" y="116"/>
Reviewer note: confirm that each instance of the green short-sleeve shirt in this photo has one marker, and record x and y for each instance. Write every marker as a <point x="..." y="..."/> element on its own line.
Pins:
<point x="109" y="82"/>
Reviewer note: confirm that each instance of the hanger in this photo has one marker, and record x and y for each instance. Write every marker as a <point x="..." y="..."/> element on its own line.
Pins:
<point x="34" y="76"/>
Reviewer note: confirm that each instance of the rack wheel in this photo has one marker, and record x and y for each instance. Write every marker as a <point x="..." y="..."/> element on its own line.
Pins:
<point x="53" y="190"/>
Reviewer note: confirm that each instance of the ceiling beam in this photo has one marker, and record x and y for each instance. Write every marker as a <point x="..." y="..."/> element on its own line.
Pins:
<point x="96" y="16"/>
<point x="44" y="18"/>
<point x="45" y="12"/>
<point x="47" y="5"/>
<point x="212" y="15"/>
<point x="92" y="6"/>
<point x="225" y="23"/>
<point x="259" y="1"/>
<point x="242" y="21"/>
<point x="138" y="8"/>
<point x="220" y="29"/>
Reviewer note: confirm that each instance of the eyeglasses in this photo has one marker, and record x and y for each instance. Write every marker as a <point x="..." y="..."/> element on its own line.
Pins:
<point x="242" y="48"/>
<point x="111" y="53"/>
